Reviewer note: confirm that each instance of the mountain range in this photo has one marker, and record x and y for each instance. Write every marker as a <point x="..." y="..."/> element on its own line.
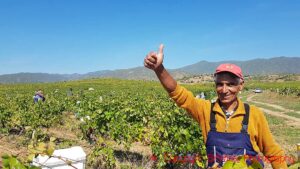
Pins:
<point x="276" y="65"/>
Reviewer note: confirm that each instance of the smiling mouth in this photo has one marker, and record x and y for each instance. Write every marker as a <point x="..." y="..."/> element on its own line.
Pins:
<point x="226" y="97"/>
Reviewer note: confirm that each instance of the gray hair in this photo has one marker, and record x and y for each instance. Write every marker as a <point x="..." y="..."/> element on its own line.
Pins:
<point x="238" y="80"/>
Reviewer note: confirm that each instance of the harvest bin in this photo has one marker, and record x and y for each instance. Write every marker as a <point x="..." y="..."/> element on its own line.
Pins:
<point x="75" y="155"/>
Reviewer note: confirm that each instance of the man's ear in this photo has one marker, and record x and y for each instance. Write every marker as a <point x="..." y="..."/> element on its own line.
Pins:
<point x="241" y="85"/>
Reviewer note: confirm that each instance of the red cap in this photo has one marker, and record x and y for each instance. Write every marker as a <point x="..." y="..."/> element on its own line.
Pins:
<point x="232" y="68"/>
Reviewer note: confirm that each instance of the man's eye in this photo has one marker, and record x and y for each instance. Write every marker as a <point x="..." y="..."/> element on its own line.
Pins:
<point x="232" y="84"/>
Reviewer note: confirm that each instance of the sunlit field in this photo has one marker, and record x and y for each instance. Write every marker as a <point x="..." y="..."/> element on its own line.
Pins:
<point x="119" y="123"/>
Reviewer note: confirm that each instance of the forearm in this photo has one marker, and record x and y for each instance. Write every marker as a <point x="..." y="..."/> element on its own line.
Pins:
<point x="165" y="79"/>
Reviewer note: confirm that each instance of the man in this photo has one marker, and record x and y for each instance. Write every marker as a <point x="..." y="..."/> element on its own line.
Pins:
<point x="229" y="127"/>
<point x="38" y="96"/>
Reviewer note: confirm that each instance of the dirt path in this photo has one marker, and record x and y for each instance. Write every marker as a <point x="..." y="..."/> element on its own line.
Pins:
<point x="293" y="121"/>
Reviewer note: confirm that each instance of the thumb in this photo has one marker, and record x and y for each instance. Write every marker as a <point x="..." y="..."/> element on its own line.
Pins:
<point x="160" y="56"/>
<point x="161" y="49"/>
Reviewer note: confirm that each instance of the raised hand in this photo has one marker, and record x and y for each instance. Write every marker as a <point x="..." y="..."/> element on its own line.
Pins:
<point x="153" y="60"/>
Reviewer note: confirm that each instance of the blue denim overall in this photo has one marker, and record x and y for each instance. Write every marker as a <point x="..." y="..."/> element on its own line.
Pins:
<point x="222" y="146"/>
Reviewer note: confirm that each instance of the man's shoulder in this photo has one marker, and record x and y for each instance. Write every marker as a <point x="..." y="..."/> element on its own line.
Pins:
<point x="255" y="111"/>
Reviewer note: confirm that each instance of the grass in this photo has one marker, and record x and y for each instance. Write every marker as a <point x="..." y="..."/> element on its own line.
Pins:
<point x="286" y="136"/>
<point x="289" y="102"/>
<point x="265" y="106"/>
<point x="293" y="114"/>
<point x="272" y="120"/>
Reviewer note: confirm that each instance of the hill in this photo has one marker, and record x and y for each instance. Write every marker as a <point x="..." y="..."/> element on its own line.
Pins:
<point x="277" y="65"/>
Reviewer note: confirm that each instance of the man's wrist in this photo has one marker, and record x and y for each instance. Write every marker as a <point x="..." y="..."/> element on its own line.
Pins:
<point x="159" y="69"/>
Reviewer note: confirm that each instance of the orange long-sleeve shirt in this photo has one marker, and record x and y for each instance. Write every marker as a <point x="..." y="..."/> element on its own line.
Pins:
<point x="258" y="128"/>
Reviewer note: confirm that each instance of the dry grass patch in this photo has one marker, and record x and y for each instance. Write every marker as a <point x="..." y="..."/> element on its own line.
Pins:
<point x="289" y="102"/>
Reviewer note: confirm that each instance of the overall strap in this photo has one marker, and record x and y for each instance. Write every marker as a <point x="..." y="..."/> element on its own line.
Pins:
<point x="213" y="121"/>
<point x="246" y="119"/>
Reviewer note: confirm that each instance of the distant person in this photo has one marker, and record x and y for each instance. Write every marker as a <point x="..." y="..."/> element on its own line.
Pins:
<point x="70" y="92"/>
<point x="230" y="128"/>
<point x="38" y="96"/>
<point x="200" y="96"/>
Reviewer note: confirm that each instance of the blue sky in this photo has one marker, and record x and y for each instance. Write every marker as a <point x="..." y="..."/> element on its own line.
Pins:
<point x="72" y="36"/>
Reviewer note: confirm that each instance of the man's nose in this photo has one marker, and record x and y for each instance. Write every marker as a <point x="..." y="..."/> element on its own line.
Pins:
<point x="224" y="88"/>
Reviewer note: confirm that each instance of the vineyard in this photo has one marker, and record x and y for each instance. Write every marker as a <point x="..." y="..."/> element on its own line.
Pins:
<point x="107" y="112"/>
<point x="282" y="88"/>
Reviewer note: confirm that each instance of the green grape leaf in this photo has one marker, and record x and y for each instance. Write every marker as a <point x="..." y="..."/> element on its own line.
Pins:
<point x="255" y="165"/>
<point x="30" y="157"/>
<point x="52" y="139"/>
<point x="228" y="165"/>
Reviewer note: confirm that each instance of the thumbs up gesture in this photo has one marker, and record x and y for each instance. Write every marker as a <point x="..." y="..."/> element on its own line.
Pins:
<point x="154" y="59"/>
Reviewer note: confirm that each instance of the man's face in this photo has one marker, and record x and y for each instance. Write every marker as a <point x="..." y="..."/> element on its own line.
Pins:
<point x="227" y="87"/>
